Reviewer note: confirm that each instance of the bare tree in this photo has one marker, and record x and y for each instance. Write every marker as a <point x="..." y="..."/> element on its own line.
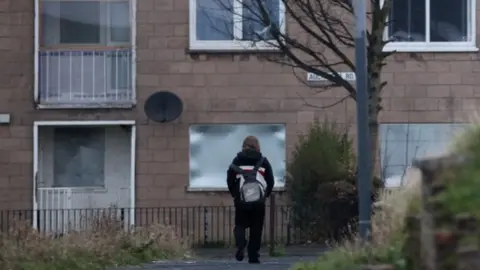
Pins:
<point x="320" y="40"/>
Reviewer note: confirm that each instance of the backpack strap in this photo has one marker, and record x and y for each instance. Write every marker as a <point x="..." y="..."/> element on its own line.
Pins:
<point x="236" y="169"/>
<point x="259" y="163"/>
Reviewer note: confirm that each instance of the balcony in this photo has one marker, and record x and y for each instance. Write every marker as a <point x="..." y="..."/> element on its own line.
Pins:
<point x="85" y="78"/>
<point x="85" y="56"/>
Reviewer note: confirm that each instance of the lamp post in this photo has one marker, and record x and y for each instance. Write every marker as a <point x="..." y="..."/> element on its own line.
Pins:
<point x="363" y="134"/>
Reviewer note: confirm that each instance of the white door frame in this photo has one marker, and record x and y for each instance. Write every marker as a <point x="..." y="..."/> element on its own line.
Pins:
<point x="37" y="124"/>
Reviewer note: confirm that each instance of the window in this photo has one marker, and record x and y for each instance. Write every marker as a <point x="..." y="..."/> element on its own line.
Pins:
<point x="85" y="53"/>
<point x="67" y="22"/>
<point x="212" y="148"/>
<point x="79" y="157"/>
<point x="402" y="143"/>
<point x="233" y="24"/>
<point x="427" y="25"/>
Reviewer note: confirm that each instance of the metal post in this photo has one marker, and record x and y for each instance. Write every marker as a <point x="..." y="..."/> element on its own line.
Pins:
<point x="273" y="208"/>
<point x="205" y="226"/>
<point x="363" y="134"/>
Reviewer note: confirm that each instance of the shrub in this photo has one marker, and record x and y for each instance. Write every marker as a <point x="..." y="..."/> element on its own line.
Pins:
<point x="463" y="182"/>
<point x="106" y="243"/>
<point x="387" y="242"/>
<point x="321" y="184"/>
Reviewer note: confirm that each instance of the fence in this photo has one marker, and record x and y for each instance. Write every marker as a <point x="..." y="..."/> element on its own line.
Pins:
<point x="205" y="226"/>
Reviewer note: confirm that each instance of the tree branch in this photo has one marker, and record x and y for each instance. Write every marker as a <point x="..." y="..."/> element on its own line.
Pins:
<point x="333" y="104"/>
<point x="320" y="39"/>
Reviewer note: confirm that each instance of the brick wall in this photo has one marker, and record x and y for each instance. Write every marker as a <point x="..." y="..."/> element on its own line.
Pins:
<point x="16" y="77"/>
<point x="216" y="88"/>
<point x="439" y="87"/>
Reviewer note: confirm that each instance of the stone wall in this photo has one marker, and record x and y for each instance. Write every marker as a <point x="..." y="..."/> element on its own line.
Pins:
<point x="438" y="240"/>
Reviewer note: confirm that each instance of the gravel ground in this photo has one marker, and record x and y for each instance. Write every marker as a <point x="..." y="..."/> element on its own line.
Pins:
<point x="283" y="263"/>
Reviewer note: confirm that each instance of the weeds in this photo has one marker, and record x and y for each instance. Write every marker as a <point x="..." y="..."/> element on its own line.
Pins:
<point x="278" y="251"/>
<point x="106" y="243"/>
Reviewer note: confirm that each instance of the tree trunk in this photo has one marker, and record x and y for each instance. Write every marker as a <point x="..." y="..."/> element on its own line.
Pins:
<point x="374" y="109"/>
<point x="375" y="146"/>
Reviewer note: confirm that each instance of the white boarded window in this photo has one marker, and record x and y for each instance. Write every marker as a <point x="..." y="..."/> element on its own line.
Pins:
<point x="402" y="143"/>
<point x="213" y="147"/>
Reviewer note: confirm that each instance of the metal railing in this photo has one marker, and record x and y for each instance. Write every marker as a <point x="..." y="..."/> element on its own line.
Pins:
<point x="55" y="198"/>
<point x="85" y="77"/>
<point x="204" y="226"/>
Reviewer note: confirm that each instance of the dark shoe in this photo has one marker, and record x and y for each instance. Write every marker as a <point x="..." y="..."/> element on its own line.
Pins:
<point x="239" y="255"/>
<point x="253" y="261"/>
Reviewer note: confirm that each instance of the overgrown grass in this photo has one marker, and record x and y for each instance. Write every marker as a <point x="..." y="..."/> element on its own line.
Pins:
<point x="278" y="250"/>
<point x="105" y="244"/>
<point x="220" y="244"/>
<point x="387" y="234"/>
<point x="460" y="197"/>
<point x="346" y="258"/>
<point x="463" y="182"/>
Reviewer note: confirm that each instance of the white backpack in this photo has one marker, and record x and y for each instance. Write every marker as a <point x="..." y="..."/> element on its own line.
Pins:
<point x="252" y="185"/>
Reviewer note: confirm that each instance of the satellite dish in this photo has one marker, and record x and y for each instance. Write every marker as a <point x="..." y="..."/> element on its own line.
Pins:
<point x="163" y="107"/>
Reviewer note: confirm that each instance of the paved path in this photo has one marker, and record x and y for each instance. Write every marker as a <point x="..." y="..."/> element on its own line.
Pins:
<point x="283" y="263"/>
<point x="290" y="251"/>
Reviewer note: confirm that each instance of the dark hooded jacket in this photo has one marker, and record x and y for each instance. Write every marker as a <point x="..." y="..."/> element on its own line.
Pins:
<point x="249" y="157"/>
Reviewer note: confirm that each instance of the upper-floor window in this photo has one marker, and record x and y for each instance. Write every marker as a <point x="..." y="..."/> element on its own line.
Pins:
<point x="85" y="56"/>
<point x="432" y="25"/>
<point x="233" y="24"/>
<point x="85" y="23"/>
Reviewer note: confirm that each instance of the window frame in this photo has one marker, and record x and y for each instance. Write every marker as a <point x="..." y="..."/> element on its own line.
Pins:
<point x="427" y="46"/>
<point x="105" y="33"/>
<point x="108" y="33"/>
<point x="230" y="45"/>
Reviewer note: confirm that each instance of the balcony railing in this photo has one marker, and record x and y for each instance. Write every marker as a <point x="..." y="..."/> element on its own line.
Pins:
<point x="86" y="78"/>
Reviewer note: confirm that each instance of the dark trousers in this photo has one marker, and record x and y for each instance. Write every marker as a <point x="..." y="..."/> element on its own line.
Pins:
<point x="252" y="217"/>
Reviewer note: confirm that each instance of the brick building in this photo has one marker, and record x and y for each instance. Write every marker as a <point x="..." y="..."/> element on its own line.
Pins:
<point x="132" y="49"/>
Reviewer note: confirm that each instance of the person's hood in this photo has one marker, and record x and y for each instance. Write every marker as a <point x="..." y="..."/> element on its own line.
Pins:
<point x="249" y="154"/>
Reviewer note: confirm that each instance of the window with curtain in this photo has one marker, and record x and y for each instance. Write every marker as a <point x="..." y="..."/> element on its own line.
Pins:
<point x="85" y="22"/>
<point x="432" y="23"/>
<point x="79" y="157"/>
<point x="220" y="24"/>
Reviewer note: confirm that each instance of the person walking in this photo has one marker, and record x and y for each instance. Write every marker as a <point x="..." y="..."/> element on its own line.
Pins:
<point x="250" y="181"/>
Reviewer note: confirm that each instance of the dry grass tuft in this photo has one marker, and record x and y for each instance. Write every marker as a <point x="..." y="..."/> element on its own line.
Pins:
<point x="106" y="243"/>
<point x="390" y="212"/>
<point x="393" y="207"/>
